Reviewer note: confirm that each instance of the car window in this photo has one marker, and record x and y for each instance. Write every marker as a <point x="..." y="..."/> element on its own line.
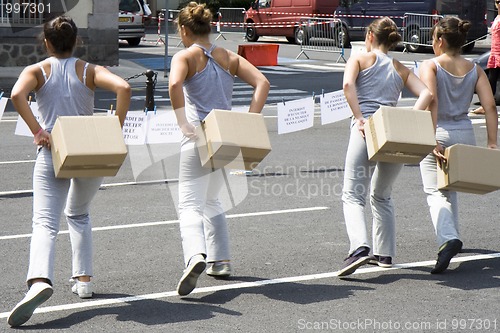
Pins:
<point x="129" y="6"/>
<point x="264" y="3"/>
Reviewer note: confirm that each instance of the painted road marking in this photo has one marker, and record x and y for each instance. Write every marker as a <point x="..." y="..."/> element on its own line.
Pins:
<point x="246" y="285"/>
<point x="150" y="224"/>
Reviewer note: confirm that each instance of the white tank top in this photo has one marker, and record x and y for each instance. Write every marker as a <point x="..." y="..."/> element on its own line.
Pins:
<point x="63" y="94"/>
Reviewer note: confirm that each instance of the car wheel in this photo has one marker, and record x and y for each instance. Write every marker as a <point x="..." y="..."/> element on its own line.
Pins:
<point x="251" y="34"/>
<point x="301" y="37"/>
<point x="342" y="36"/>
<point x="134" y="41"/>
<point x="413" y="38"/>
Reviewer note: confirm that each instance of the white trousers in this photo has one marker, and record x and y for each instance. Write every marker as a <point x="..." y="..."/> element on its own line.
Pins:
<point x="203" y="223"/>
<point x="50" y="196"/>
<point x="357" y="175"/>
<point x="443" y="205"/>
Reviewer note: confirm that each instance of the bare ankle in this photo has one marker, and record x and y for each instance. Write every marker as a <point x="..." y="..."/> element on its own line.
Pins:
<point x="84" y="278"/>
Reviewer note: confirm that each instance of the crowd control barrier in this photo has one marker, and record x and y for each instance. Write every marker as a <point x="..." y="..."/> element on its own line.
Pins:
<point x="230" y="20"/>
<point x="417" y="30"/>
<point x="167" y="17"/>
<point x="320" y="35"/>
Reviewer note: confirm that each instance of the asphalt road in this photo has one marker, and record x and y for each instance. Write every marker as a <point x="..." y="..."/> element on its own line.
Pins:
<point x="287" y="238"/>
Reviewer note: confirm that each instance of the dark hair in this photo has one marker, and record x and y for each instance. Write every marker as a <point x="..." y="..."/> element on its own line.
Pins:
<point x="61" y="32"/>
<point x="196" y="17"/>
<point x="386" y="32"/>
<point x="453" y="30"/>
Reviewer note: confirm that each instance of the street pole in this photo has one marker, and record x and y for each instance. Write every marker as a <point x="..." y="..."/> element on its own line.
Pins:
<point x="166" y="68"/>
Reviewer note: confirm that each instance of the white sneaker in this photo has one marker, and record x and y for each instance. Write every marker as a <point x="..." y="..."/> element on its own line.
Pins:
<point x="36" y="295"/>
<point x="188" y="280"/>
<point x="82" y="289"/>
<point x="220" y="269"/>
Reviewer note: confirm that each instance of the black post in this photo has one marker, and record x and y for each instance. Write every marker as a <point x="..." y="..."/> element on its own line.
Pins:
<point x="150" y="98"/>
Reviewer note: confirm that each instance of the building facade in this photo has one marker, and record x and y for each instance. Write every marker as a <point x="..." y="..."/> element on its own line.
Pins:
<point x="21" y="23"/>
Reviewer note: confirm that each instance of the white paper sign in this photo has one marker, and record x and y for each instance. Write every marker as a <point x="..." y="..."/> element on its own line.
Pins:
<point x="416" y="69"/>
<point x="135" y="128"/>
<point x="334" y="107"/>
<point x="295" y="115"/>
<point x="163" y="128"/>
<point x="3" y="104"/>
<point x="21" y="126"/>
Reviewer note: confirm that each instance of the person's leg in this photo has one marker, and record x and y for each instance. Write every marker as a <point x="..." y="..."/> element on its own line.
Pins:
<point x="493" y="78"/>
<point x="357" y="173"/>
<point x="49" y="196"/>
<point x="440" y="202"/>
<point x="443" y="204"/>
<point x="384" y="222"/>
<point x="81" y="193"/>
<point x="193" y="184"/>
<point x="216" y="231"/>
<point x="215" y="225"/>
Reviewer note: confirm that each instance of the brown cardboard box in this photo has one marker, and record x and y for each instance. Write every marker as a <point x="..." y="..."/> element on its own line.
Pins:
<point x="233" y="140"/>
<point x="87" y="146"/>
<point x="470" y="169"/>
<point x="399" y="135"/>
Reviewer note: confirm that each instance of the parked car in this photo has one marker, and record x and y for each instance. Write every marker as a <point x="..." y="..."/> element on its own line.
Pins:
<point x="131" y="22"/>
<point x="357" y="14"/>
<point x="282" y="18"/>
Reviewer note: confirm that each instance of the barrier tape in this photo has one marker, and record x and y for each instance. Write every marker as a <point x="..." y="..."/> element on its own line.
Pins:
<point x="267" y="25"/>
<point x="332" y="15"/>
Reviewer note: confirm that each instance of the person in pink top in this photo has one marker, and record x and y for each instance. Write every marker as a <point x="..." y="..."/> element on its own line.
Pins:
<point x="494" y="59"/>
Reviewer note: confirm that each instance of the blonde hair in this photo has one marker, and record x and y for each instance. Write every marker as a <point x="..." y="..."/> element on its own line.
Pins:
<point x="196" y="17"/>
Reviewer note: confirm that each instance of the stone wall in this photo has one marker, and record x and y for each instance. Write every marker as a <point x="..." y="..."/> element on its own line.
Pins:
<point x="97" y="23"/>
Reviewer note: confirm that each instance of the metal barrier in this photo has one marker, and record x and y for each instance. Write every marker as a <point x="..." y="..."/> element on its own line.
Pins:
<point x="417" y="30"/>
<point x="320" y="35"/>
<point x="230" y="20"/>
<point x="171" y="16"/>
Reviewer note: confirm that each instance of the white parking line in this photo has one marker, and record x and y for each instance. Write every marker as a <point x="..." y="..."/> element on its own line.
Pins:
<point x="150" y="224"/>
<point x="17" y="162"/>
<point x="246" y="285"/>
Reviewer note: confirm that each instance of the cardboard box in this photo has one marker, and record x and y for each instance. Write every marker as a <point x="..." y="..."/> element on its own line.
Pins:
<point x="87" y="146"/>
<point x="470" y="169"/>
<point x="399" y="135"/>
<point x="233" y="140"/>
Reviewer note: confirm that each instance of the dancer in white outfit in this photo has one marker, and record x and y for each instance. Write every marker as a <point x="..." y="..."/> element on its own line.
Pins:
<point x="371" y="80"/>
<point x="201" y="79"/>
<point x="453" y="81"/>
<point x="64" y="86"/>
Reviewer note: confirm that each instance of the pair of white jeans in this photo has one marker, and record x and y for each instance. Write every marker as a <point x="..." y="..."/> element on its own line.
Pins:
<point x="443" y="205"/>
<point x="50" y="196"/>
<point x="203" y="224"/>
<point x="359" y="175"/>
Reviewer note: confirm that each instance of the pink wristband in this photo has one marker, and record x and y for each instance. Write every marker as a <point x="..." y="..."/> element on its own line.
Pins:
<point x="39" y="131"/>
